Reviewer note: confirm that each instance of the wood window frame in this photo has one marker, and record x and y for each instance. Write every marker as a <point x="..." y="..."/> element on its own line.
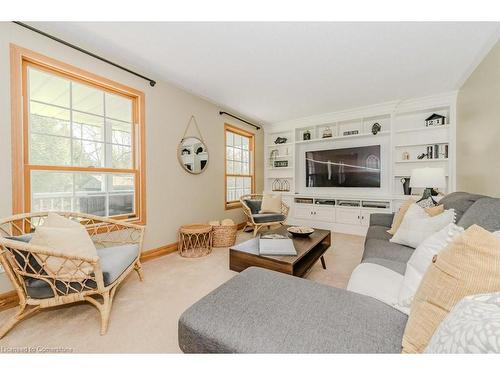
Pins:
<point x="244" y="133"/>
<point x="21" y="169"/>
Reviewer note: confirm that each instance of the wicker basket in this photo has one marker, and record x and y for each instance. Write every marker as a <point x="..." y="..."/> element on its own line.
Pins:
<point x="224" y="235"/>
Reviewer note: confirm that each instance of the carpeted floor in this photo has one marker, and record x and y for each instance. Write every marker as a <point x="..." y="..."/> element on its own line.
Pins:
<point x="144" y="315"/>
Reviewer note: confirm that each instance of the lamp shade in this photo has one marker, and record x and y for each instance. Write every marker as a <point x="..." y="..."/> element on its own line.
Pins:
<point x="428" y="178"/>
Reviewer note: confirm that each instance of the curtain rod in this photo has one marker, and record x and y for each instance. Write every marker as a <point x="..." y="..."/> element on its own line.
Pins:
<point x="151" y="82"/>
<point x="239" y="118"/>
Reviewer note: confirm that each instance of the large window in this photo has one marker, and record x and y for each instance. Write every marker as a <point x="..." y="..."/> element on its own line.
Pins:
<point x="82" y="143"/>
<point x="240" y="176"/>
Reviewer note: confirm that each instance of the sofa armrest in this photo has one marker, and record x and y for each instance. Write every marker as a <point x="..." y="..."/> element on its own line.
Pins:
<point x="384" y="220"/>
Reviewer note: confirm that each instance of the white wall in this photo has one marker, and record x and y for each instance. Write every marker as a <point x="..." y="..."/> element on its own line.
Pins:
<point x="174" y="197"/>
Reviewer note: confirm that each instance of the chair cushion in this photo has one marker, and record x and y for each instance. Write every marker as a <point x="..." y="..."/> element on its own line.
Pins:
<point x="114" y="261"/>
<point x="254" y="205"/>
<point x="485" y="212"/>
<point x="20" y="256"/>
<point x="378" y="248"/>
<point x="267" y="218"/>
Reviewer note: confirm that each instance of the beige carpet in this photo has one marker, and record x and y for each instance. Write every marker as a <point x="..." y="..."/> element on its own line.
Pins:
<point x="144" y="316"/>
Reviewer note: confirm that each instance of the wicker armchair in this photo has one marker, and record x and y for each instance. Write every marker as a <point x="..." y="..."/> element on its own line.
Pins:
<point x="95" y="279"/>
<point x="256" y="220"/>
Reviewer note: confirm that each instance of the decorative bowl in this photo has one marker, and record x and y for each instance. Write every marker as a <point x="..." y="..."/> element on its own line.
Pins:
<point x="300" y="231"/>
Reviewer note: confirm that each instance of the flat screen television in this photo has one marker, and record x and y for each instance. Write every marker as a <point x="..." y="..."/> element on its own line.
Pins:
<point x="344" y="167"/>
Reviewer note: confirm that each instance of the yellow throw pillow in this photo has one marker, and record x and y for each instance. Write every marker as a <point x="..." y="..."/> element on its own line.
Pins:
<point x="434" y="211"/>
<point x="469" y="265"/>
<point x="398" y="216"/>
<point x="271" y="204"/>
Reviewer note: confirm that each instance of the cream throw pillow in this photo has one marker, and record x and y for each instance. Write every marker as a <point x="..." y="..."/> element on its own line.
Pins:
<point x="434" y="211"/>
<point x="469" y="265"/>
<point x="271" y="204"/>
<point x="417" y="226"/>
<point x="68" y="237"/>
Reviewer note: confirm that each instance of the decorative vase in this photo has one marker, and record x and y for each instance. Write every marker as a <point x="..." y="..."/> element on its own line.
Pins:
<point x="406" y="185"/>
<point x="306" y="136"/>
<point x="376" y="128"/>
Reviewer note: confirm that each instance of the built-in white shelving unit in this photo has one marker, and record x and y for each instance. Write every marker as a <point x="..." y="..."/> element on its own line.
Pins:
<point x="404" y="138"/>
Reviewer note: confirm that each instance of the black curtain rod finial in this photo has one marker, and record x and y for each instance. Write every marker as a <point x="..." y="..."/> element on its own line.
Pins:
<point x="240" y="119"/>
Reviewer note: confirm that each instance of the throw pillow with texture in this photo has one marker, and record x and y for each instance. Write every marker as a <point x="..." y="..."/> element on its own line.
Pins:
<point x="472" y="326"/>
<point x="417" y="226"/>
<point x="271" y="204"/>
<point x="426" y="203"/>
<point x="421" y="259"/>
<point x="67" y="237"/>
<point x="469" y="265"/>
<point x="398" y="216"/>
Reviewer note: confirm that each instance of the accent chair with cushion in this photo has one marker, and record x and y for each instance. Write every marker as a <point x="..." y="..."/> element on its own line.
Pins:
<point x="252" y="203"/>
<point x="39" y="284"/>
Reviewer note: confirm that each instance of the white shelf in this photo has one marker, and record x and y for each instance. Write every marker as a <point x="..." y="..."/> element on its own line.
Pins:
<point x="423" y="129"/>
<point x="280" y="144"/>
<point x="420" y="144"/>
<point x="422" y="161"/>
<point x="278" y="168"/>
<point x="343" y="137"/>
<point x="282" y="177"/>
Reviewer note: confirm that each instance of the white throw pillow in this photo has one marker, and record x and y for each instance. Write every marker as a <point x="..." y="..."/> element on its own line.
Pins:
<point x="378" y="282"/>
<point x="271" y="204"/>
<point x="421" y="259"/>
<point x="472" y="326"/>
<point x="417" y="226"/>
<point x="67" y="237"/>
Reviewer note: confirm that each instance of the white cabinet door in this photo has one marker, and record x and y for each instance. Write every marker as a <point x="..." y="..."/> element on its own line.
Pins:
<point x="324" y="214"/>
<point x="365" y="217"/>
<point x="303" y="211"/>
<point x="348" y="215"/>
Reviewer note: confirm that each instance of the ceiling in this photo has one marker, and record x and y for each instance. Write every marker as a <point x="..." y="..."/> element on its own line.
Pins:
<point x="273" y="72"/>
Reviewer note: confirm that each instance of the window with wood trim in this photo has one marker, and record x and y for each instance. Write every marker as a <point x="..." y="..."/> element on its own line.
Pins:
<point x="82" y="142"/>
<point x="240" y="159"/>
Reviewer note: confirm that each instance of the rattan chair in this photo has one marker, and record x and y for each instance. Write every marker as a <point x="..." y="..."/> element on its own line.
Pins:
<point x="258" y="221"/>
<point x="25" y="265"/>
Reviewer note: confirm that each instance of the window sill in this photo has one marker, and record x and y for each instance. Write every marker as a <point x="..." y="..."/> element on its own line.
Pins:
<point x="233" y="205"/>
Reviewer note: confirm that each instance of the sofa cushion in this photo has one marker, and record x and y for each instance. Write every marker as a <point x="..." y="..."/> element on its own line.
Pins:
<point x="378" y="248"/>
<point x="460" y="202"/>
<point x="114" y="261"/>
<point x="268" y="218"/>
<point x="262" y="311"/>
<point x="254" y="205"/>
<point x="381" y="219"/>
<point x="378" y="232"/>
<point x="399" y="267"/>
<point x="485" y="212"/>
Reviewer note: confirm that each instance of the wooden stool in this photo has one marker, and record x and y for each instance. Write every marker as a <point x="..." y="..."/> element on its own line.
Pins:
<point x="195" y="240"/>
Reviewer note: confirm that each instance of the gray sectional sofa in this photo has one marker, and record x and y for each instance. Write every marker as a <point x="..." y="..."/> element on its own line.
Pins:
<point x="261" y="311"/>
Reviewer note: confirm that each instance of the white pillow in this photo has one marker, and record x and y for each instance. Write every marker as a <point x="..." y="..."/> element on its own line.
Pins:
<point x="68" y="237"/>
<point x="271" y="204"/>
<point x="418" y="226"/>
<point x="421" y="259"/>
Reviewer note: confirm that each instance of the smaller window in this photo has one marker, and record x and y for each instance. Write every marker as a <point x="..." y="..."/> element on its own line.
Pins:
<point x="240" y="171"/>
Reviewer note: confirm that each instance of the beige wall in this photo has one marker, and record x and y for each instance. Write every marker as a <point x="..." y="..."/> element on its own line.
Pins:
<point x="174" y="197"/>
<point x="478" y="128"/>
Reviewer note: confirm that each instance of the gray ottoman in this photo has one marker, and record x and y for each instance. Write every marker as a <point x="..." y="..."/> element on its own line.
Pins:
<point x="262" y="311"/>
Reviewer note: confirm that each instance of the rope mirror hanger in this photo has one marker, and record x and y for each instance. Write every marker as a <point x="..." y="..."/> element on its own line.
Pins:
<point x="192" y="151"/>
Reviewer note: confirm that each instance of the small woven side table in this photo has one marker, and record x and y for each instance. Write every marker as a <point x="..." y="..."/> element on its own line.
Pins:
<point x="195" y="240"/>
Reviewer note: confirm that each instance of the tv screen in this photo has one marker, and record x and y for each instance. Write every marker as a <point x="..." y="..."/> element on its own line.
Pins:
<point x="344" y="167"/>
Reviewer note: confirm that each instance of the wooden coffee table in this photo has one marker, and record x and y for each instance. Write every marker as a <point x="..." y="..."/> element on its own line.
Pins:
<point x="309" y="250"/>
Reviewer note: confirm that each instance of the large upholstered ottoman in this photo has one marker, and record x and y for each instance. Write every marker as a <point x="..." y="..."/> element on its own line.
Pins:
<point x="262" y="311"/>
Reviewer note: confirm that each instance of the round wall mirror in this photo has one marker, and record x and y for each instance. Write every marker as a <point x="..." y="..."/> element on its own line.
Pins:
<point x="193" y="155"/>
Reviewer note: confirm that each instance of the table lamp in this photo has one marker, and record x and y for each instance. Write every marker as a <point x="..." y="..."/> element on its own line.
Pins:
<point x="428" y="179"/>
